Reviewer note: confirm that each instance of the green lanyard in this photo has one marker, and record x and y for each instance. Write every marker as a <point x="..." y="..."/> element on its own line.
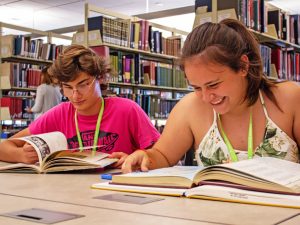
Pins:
<point x="232" y="153"/>
<point x="97" y="129"/>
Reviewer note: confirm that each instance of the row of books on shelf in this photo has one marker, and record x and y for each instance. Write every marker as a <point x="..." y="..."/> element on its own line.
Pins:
<point x="17" y="107"/>
<point x="253" y="14"/>
<point x="153" y="106"/>
<point x="140" y="39"/>
<point x="20" y="75"/>
<point x="156" y="104"/>
<point x="159" y="127"/>
<point x="131" y="68"/>
<point x="21" y="94"/>
<point x="265" y="53"/>
<point x="7" y="134"/>
<point x="161" y="94"/>
<point x="281" y="63"/>
<point x="287" y="26"/>
<point x="144" y="37"/>
<point x="11" y="127"/>
<point x="113" y="31"/>
<point x="287" y="63"/>
<point x="26" y="46"/>
<point x="258" y="15"/>
<point x="136" y="34"/>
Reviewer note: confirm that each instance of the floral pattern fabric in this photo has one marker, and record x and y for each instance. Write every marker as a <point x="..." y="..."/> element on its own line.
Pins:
<point x="276" y="143"/>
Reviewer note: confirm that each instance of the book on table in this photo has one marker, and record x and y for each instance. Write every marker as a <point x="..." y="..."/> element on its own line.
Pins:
<point x="265" y="181"/>
<point x="54" y="156"/>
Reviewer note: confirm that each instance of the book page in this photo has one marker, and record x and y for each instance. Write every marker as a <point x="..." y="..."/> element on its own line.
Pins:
<point x="188" y="172"/>
<point x="139" y="189"/>
<point x="67" y="160"/>
<point x="243" y="196"/>
<point x="45" y="144"/>
<point x="279" y="171"/>
<point x="15" y="167"/>
<point x="86" y="156"/>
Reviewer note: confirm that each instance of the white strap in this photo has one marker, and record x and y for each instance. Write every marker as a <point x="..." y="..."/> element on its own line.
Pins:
<point x="263" y="104"/>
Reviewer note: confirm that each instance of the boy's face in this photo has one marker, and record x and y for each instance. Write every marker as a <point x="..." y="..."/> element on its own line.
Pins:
<point x="84" y="93"/>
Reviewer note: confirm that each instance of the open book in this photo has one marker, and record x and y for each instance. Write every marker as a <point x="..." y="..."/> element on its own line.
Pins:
<point x="54" y="156"/>
<point x="266" y="181"/>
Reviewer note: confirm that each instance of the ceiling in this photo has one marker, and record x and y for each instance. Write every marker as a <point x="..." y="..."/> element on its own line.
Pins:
<point x="54" y="14"/>
<point x="291" y="6"/>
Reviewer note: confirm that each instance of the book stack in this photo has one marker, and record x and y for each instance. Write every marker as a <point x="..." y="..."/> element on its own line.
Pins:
<point x="263" y="181"/>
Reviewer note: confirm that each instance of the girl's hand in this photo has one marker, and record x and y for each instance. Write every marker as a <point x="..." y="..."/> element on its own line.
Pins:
<point x="119" y="155"/>
<point x="139" y="160"/>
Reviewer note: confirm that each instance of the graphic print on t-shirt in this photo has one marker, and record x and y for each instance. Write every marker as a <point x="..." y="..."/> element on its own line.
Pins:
<point x="106" y="141"/>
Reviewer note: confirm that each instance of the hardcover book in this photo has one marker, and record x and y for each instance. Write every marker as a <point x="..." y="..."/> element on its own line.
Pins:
<point x="265" y="181"/>
<point x="54" y="156"/>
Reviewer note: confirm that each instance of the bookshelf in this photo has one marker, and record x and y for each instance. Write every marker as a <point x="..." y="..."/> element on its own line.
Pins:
<point x="277" y="31"/>
<point x="143" y="58"/>
<point x="23" y="53"/>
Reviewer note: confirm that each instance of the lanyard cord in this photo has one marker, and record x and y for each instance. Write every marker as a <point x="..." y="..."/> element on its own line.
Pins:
<point x="97" y="129"/>
<point x="232" y="153"/>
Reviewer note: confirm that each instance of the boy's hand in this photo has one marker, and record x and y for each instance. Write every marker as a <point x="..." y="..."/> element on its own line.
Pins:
<point x="28" y="154"/>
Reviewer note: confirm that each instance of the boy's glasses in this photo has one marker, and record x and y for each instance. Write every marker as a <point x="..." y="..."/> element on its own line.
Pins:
<point x="82" y="88"/>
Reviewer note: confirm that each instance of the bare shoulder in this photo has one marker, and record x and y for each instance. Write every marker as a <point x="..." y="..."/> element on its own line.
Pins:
<point x="289" y="87"/>
<point x="193" y="106"/>
<point x="191" y="118"/>
<point x="287" y="94"/>
<point x="191" y="103"/>
<point x="287" y="91"/>
<point x="193" y="113"/>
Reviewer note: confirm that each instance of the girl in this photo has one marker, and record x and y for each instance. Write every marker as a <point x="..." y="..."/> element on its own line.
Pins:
<point x="235" y="112"/>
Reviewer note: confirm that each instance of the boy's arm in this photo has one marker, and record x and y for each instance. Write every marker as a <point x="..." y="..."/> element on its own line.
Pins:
<point x="12" y="150"/>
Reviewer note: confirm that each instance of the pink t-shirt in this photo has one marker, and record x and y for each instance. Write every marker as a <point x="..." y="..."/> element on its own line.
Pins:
<point x="125" y="127"/>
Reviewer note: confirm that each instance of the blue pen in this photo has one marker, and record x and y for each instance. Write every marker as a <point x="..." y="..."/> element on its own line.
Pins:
<point x="108" y="176"/>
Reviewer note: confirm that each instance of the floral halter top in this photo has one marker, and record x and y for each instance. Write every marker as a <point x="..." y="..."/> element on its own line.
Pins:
<point x="276" y="143"/>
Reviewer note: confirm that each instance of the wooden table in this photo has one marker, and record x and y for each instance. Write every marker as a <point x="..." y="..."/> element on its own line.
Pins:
<point x="72" y="193"/>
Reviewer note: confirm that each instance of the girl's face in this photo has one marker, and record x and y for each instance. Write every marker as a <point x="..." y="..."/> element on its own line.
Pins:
<point x="84" y="93"/>
<point x="217" y="85"/>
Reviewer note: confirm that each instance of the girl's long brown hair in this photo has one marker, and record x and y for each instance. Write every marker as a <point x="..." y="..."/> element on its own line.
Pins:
<point x="225" y="43"/>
